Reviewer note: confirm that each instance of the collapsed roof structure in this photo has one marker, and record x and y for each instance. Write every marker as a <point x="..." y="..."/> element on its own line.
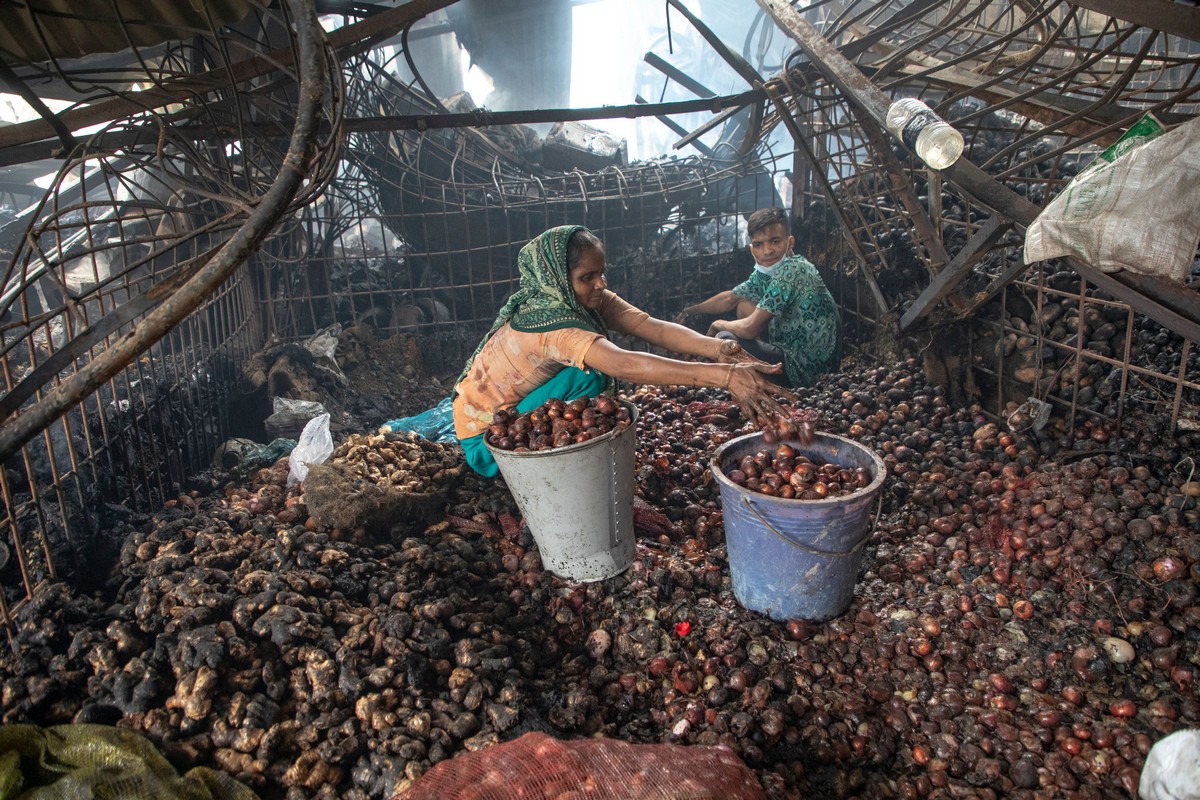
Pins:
<point x="211" y="173"/>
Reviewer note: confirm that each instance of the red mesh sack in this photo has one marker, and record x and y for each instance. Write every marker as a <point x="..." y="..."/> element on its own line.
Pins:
<point x="539" y="767"/>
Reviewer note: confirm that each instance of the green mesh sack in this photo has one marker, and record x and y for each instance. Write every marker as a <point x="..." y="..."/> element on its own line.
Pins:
<point x="76" y="762"/>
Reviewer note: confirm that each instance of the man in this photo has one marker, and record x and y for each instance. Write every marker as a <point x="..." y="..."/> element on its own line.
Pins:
<point x="783" y="311"/>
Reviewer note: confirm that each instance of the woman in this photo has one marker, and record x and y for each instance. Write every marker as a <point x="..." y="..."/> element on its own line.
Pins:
<point x="550" y="341"/>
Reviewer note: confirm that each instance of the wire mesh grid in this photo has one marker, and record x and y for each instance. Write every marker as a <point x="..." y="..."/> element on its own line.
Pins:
<point x="1038" y="89"/>
<point x="419" y="231"/>
<point x="133" y="213"/>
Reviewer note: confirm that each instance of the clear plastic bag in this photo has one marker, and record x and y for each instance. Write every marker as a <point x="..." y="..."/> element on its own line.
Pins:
<point x="435" y="424"/>
<point x="289" y="417"/>
<point x="315" y="447"/>
<point x="323" y="345"/>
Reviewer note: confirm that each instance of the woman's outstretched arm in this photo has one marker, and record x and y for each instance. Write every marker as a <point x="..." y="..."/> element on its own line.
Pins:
<point x="747" y="382"/>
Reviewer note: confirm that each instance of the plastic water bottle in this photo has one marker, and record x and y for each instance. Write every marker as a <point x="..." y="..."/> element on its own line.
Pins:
<point x="936" y="141"/>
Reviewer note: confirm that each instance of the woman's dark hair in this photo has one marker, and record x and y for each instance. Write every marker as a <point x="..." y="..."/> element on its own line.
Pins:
<point x="581" y="241"/>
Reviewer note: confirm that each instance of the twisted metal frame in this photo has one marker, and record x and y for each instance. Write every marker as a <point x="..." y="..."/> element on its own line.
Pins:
<point x="1038" y="88"/>
<point x="125" y="306"/>
<point x="448" y="208"/>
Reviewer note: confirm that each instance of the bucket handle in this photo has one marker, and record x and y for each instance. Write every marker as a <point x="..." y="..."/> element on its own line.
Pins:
<point x="853" y="551"/>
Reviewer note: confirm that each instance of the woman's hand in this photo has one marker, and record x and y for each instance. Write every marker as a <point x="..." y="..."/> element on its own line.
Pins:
<point x="755" y="393"/>
<point x="729" y="351"/>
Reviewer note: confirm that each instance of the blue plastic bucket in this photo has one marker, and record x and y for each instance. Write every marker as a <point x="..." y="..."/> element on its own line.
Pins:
<point x="797" y="559"/>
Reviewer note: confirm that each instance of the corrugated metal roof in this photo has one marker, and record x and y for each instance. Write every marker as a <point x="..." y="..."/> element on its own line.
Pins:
<point x="34" y="31"/>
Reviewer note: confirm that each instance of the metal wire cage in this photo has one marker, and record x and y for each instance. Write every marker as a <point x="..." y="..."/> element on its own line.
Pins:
<point x="126" y="310"/>
<point x="419" y="230"/>
<point x="1038" y="89"/>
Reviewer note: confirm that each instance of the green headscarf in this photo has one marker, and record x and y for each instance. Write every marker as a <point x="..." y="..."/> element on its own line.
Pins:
<point x="545" y="300"/>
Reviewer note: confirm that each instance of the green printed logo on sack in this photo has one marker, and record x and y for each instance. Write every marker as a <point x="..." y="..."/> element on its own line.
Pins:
<point x="1142" y="131"/>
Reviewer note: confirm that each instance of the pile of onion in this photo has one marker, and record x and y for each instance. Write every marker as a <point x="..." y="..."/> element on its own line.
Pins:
<point x="783" y="472"/>
<point x="556" y="423"/>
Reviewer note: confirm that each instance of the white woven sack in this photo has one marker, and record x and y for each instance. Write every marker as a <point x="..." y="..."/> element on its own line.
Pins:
<point x="1140" y="212"/>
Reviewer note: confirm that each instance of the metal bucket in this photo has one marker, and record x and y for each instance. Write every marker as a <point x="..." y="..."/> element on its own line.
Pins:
<point x="578" y="502"/>
<point x="792" y="558"/>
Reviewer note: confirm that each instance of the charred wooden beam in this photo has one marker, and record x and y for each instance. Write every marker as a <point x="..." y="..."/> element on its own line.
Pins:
<point x="987" y="191"/>
<point x="837" y="69"/>
<point x="864" y="96"/>
<point x="679" y="76"/>
<point x="958" y="268"/>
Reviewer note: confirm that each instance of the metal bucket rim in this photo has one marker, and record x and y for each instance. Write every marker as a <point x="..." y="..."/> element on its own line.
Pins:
<point x="570" y="448"/>
<point x="874" y="485"/>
